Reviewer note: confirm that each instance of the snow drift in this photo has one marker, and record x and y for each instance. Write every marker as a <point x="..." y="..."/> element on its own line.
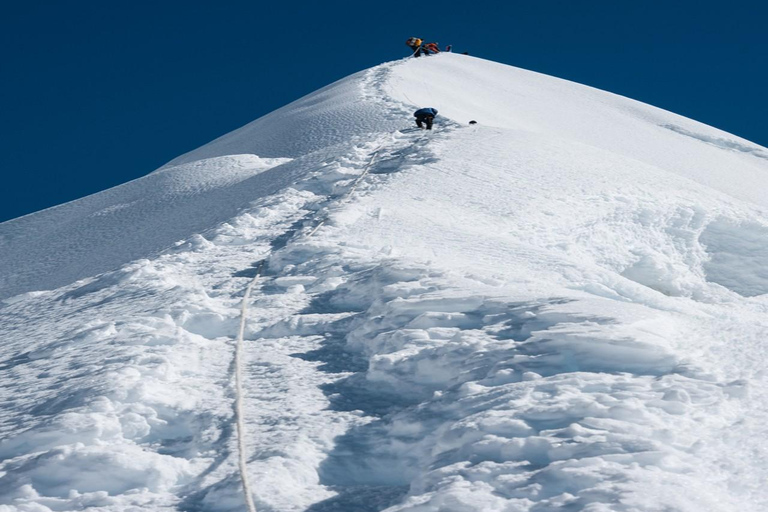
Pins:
<point x="562" y="307"/>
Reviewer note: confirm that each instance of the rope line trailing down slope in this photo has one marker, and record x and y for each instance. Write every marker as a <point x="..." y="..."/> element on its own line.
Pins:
<point x="241" y="448"/>
<point x="352" y="188"/>
<point x="239" y="393"/>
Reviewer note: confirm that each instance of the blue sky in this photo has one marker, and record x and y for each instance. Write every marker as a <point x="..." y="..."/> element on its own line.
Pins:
<point x="98" y="93"/>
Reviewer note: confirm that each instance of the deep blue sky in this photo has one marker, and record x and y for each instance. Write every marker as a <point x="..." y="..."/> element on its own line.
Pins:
<point x="97" y="93"/>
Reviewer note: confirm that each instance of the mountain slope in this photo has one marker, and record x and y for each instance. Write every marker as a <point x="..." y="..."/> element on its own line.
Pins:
<point x="560" y="308"/>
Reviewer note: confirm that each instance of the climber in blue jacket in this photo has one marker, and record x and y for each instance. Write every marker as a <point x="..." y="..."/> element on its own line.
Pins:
<point x="425" y="116"/>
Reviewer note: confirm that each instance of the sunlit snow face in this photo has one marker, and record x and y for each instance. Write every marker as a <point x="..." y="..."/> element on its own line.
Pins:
<point x="557" y="308"/>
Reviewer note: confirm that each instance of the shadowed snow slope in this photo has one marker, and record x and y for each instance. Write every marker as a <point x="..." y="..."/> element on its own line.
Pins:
<point x="562" y="307"/>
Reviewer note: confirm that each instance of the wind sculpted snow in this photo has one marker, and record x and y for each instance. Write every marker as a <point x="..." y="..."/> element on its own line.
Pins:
<point x="562" y="307"/>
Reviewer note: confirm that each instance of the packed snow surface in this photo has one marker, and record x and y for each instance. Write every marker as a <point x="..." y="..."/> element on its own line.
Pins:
<point x="562" y="307"/>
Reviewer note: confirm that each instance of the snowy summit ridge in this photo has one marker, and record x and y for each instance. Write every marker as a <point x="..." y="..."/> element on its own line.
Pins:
<point x="562" y="307"/>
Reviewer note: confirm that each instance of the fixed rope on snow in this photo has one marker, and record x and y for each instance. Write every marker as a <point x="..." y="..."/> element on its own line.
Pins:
<point x="241" y="447"/>
<point x="239" y="393"/>
<point x="353" y="187"/>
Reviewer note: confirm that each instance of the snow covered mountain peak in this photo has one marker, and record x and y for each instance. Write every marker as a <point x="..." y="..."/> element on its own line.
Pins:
<point x="562" y="307"/>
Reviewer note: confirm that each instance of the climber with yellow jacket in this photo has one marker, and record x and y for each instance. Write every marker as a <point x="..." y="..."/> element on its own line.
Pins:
<point x="414" y="43"/>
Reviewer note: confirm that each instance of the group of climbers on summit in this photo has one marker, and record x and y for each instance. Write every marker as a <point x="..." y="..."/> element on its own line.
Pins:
<point x="419" y="47"/>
